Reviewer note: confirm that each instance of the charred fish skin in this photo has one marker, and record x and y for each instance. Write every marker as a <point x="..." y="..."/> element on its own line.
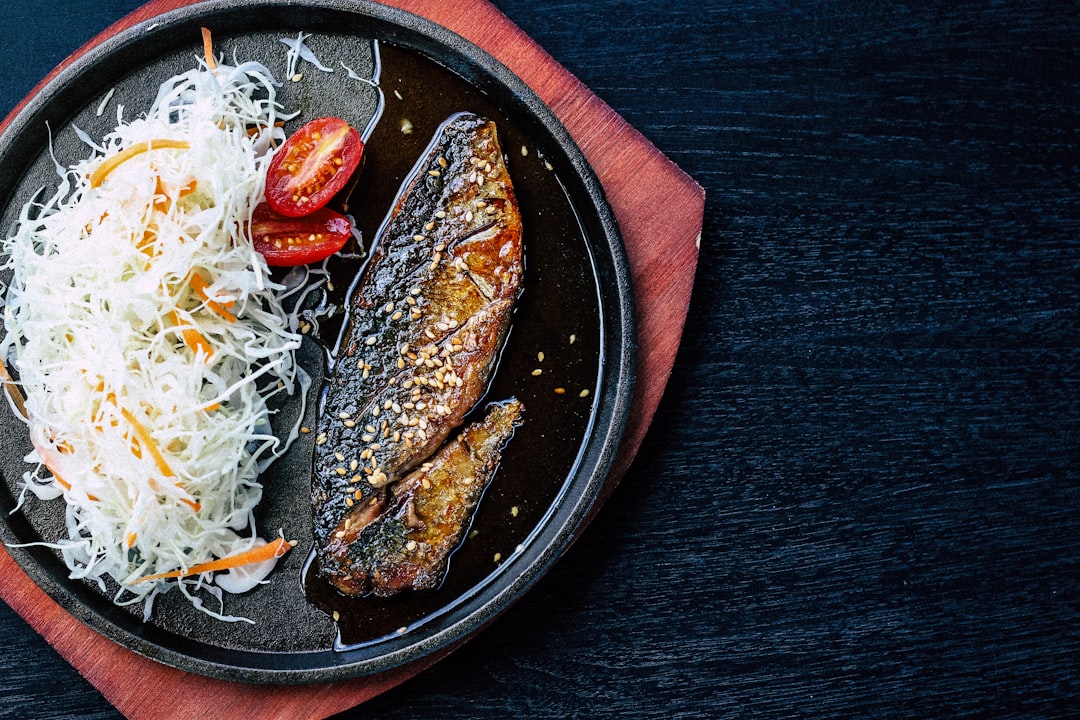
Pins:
<point x="427" y="319"/>
<point x="408" y="546"/>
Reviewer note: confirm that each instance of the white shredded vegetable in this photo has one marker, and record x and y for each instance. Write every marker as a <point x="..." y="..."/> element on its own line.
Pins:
<point x="147" y="339"/>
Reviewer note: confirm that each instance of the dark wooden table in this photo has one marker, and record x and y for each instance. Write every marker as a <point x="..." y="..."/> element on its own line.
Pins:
<point x="861" y="494"/>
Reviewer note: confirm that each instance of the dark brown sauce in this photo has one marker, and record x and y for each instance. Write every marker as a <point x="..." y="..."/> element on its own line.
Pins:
<point x="557" y="316"/>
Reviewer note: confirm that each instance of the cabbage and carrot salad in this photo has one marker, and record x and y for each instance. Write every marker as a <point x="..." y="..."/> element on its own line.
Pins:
<point x="147" y="338"/>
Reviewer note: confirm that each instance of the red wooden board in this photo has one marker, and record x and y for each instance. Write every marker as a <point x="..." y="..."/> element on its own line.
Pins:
<point x="659" y="210"/>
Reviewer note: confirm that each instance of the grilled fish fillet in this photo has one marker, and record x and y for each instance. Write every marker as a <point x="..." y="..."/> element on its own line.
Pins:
<point x="408" y="544"/>
<point x="427" y="319"/>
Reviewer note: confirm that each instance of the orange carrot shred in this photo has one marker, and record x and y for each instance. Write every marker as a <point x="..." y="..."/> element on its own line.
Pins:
<point x="208" y="49"/>
<point x="192" y="337"/>
<point x="148" y="443"/>
<point x="199" y="284"/>
<point x="274" y="549"/>
<point x="109" y="164"/>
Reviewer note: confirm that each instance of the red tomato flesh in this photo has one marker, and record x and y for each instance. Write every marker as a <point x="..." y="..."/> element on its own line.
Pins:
<point x="286" y="241"/>
<point x="313" y="165"/>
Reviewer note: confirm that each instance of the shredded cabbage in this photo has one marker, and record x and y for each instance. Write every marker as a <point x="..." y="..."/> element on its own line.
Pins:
<point x="148" y="339"/>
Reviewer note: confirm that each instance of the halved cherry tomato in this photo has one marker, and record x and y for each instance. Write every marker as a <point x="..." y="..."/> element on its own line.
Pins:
<point x="286" y="241"/>
<point x="312" y="166"/>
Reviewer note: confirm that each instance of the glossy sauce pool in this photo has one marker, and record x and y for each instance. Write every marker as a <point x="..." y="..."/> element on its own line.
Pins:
<point x="551" y="361"/>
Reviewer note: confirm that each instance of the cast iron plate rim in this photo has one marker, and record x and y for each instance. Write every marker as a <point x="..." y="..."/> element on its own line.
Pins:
<point x="563" y="522"/>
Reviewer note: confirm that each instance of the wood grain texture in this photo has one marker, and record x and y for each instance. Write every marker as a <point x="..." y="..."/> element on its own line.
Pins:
<point x="859" y="497"/>
<point x="663" y="258"/>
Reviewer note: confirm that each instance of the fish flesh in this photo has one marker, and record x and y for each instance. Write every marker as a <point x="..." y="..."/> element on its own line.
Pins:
<point x="427" y="319"/>
<point x="407" y="545"/>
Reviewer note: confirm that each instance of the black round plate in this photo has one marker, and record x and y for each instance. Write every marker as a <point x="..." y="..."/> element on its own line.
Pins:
<point x="583" y="266"/>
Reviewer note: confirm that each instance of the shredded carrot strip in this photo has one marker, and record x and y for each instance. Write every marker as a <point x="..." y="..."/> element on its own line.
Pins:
<point x="130" y="538"/>
<point x="256" y="129"/>
<point x="148" y="443"/>
<point x="208" y="49"/>
<point x="274" y="549"/>
<point x="200" y="286"/>
<point x="192" y="337"/>
<point x="46" y="456"/>
<point x="109" y="164"/>
<point x="196" y="506"/>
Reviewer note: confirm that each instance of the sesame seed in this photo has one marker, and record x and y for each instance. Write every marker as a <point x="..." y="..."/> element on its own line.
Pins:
<point x="434" y="173"/>
<point x="321" y="439"/>
<point x="537" y="371"/>
<point x="337" y="616"/>
<point x="442" y="161"/>
<point x="349" y="501"/>
<point x="583" y="393"/>
<point x="430" y="225"/>
<point x="419" y="238"/>
<point x="411" y="545"/>
<point x="498" y="557"/>
<point x="524" y="151"/>
<point x="350" y="423"/>
<point x="305" y="429"/>
<point x="573" y="339"/>
<point x="560" y="391"/>
<point x="540" y="356"/>
<point x="344" y="415"/>
<point x="371" y="340"/>
<point x="514" y="511"/>
<point x="339" y="457"/>
<point x="341" y="471"/>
